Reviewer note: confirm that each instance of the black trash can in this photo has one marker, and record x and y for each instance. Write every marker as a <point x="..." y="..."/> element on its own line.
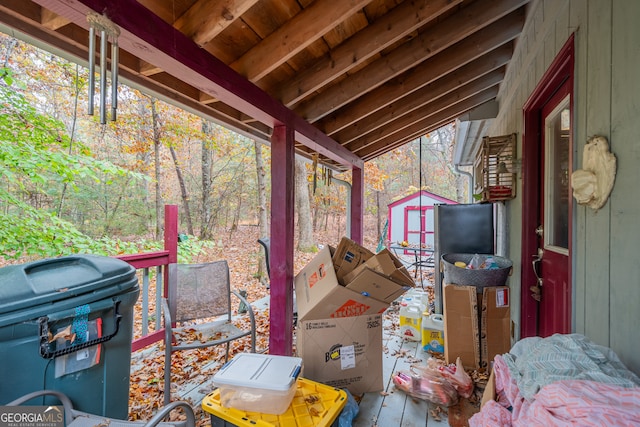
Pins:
<point x="66" y="324"/>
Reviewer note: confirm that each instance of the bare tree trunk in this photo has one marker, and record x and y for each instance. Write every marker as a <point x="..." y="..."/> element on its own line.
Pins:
<point x="378" y="215"/>
<point x="144" y="157"/>
<point x="73" y="135"/>
<point x="207" y="157"/>
<point x="110" y="214"/>
<point x="326" y="218"/>
<point x="305" y="232"/>
<point x="316" y="216"/>
<point x="183" y="191"/>
<point x="235" y="221"/>
<point x="156" y="149"/>
<point x="263" y="225"/>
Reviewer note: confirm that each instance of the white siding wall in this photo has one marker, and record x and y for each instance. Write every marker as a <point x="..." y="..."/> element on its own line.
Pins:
<point x="607" y="102"/>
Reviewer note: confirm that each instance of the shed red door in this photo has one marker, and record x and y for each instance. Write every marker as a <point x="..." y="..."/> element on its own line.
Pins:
<point x="419" y="228"/>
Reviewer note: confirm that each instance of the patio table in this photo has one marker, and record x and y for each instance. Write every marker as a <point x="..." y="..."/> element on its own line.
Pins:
<point x="422" y="257"/>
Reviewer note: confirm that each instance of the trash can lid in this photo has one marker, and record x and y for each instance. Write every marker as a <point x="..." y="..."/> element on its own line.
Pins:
<point x="55" y="279"/>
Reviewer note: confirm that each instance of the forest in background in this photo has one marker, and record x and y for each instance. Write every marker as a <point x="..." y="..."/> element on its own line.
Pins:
<point x="73" y="185"/>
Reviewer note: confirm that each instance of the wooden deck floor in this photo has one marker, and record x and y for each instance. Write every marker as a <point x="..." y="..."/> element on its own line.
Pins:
<point x="393" y="407"/>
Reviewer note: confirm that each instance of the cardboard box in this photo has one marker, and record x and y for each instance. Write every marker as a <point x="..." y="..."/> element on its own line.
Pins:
<point x="461" y="332"/>
<point x="377" y="286"/>
<point x="343" y="352"/>
<point x="320" y="296"/>
<point x="489" y="391"/>
<point x="339" y="334"/>
<point x="382" y="277"/>
<point x="495" y="324"/>
<point x="347" y="256"/>
<point x="476" y="336"/>
<point x="395" y="269"/>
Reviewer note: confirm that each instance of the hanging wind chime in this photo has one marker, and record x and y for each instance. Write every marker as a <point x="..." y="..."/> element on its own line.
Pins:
<point x="101" y="25"/>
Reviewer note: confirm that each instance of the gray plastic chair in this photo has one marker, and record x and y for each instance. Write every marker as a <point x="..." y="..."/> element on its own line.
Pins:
<point x="76" y="418"/>
<point x="201" y="291"/>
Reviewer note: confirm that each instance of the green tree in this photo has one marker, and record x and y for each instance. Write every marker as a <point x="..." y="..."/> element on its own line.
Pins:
<point x="34" y="159"/>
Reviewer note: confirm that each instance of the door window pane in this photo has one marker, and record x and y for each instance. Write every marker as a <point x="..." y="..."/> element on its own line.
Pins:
<point x="558" y="127"/>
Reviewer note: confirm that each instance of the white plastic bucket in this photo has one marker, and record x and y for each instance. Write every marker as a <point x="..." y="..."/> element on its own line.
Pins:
<point x="419" y="295"/>
<point x="433" y="333"/>
<point x="410" y="321"/>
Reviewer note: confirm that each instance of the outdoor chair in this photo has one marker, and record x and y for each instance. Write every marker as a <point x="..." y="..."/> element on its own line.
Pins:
<point x="266" y="243"/>
<point x="76" y="418"/>
<point x="198" y="313"/>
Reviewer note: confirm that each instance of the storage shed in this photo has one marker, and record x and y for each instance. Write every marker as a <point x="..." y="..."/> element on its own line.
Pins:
<point x="405" y="217"/>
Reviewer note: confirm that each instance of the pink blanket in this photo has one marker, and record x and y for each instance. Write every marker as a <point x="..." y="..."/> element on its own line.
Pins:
<point x="563" y="403"/>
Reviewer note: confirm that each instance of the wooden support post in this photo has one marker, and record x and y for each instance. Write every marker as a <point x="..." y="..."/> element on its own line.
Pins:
<point x="170" y="240"/>
<point x="357" y="203"/>
<point x="281" y="257"/>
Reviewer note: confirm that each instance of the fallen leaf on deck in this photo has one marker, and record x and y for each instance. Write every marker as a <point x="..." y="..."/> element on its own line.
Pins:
<point x="65" y="334"/>
<point x="311" y="399"/>
<point x="314" y="412"/>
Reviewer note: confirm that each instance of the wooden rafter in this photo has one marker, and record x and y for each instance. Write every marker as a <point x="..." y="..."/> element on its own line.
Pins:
<point x="400" y="22"/>
<point x="425" y="125"/>
<point x="435" y="39"/>
<point x="495" y="48"/>
<point x="485" y="86"/>
<point x="438" y="93"/>
<point x="294" y="36"/>
<point x="205" y="19"/>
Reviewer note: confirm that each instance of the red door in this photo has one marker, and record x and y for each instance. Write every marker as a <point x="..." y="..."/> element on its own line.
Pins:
<point x="552" y="267"/>
<point x="547" y="203"/>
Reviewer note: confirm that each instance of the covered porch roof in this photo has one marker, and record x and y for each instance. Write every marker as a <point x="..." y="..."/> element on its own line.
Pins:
<point x="354" y="78"/>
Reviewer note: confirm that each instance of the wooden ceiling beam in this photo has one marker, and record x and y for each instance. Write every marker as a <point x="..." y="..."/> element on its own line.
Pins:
<point x="294" y="36"/>
<point x="382" y="33"/>
<point x="461" y="27"/>
<point x="22" y="9"/>
<point x="218" y="113"/>
<point x="30" y="25"/>
<point x="490" y="50"/>
<point x="205" y="19"/>
<point x="481" y="68"/>
<point x="147" y="69"/>
<point x="476" y="88"/>
<point x="426" y="125"/>
<point x="205" y="98"/>
<point x="407" y="139"/>
<point x="445" y="120"/>
<point x="52" y="21"/>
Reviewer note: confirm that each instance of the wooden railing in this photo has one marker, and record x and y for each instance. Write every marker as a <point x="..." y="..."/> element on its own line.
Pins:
<point x="160" y="260"/>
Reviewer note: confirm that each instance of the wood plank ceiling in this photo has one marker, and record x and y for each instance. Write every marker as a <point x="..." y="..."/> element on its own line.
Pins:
<point x="370" y="74"/>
